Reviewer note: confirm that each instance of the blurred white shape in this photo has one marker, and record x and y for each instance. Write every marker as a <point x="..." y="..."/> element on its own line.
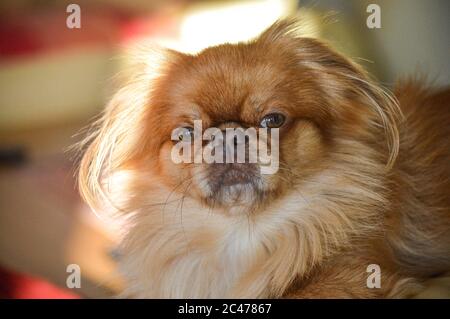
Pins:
<point x="232" y="22"/>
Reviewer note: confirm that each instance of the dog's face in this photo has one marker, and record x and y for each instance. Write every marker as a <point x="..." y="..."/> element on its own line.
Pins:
<point x="320" y="104"/>
<point x="238" y="87"/>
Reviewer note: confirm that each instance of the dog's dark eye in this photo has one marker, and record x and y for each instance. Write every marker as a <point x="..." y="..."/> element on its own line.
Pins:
<point x="273" y="120"/>
<point x="185" y="134"/>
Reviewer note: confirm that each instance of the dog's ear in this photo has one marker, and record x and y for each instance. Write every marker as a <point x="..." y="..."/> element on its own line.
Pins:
<point x="339" y="78"/>
<point x="343" y="80"/>
<point x="118" y="135"/>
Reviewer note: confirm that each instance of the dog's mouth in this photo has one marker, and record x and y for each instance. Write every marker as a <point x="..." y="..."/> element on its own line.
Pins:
<point x="234" y="184"/>
<point x="234" y="176"/>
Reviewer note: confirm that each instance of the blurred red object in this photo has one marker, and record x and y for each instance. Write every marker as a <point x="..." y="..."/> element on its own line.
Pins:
<point x="20" y="286"/>
<point x="42" y="30"/>
<point x="24" y="33"/>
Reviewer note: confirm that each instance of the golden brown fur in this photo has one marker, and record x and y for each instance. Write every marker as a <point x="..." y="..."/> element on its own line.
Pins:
<point x="358" y="183"/>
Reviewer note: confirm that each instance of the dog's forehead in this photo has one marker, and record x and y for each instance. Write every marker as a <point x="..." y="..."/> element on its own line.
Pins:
<point x="232" y="83"/>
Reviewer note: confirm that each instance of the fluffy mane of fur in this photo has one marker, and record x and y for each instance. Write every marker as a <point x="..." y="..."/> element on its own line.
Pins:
<point x="378" y="194"/>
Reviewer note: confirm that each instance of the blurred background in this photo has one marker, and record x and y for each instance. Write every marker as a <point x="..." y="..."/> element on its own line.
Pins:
<point x="54" y="80"/>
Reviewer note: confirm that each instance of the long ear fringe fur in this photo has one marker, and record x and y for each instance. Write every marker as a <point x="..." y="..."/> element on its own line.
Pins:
<point x="114" y="138"/>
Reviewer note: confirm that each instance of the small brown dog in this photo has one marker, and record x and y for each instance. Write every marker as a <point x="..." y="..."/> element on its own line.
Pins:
<point x="358" y="183"/>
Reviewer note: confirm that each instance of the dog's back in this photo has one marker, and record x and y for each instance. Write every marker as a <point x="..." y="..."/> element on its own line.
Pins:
<point x="420" y="217"/>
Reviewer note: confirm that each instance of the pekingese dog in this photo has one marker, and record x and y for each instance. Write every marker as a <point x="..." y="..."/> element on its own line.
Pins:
<point x="358" y="204"/>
